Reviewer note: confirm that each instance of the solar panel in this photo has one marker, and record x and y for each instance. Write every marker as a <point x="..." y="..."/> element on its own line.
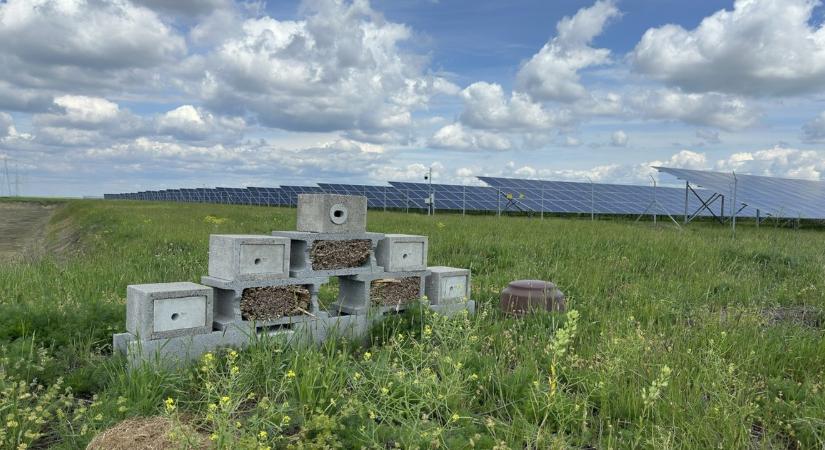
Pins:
<point x="377" y="196"/>
<point x="290" y="193"/>
<point x="780" y="197"/>
<point x="599" y="198"/>
<point x="448" y="196"/>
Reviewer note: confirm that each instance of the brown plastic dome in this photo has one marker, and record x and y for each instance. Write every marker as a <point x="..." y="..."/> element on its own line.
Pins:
<point x="522" y="297"/>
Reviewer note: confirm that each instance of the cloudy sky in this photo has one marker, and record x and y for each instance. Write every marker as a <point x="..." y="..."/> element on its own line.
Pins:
<point x="117" y="96"/>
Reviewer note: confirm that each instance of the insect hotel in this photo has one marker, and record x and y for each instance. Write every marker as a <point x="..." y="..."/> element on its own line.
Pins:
<point x="261" y="286"/>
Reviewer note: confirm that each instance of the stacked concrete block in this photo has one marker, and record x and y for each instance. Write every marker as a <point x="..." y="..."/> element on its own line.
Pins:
<point x="260" y="287"/>
<point x="246" y="257"/>
<point x="447" y="285"/>
<point x="165" y="310"/>
<point x="330" y="213"/>
<point x="230" y="297"/>
<point x="357" y="294"/>
<point x="402" y="252"/>
<point x="331" y="254"/>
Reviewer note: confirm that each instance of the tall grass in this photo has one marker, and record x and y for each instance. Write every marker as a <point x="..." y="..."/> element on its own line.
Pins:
<point x="680" y="339"/>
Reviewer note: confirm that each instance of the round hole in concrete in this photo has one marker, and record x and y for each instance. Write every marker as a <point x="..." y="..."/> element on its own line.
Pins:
<point x="175" y="316"/>
<point x="451" y="289"/>
<point x="257" y="261"/>
<point x="338" y="214"/>
<point x="404" y="256"/>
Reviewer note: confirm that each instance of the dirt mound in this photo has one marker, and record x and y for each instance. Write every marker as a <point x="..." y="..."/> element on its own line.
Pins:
<point x="331" y="255"/>
<point x="808" y="316"/>
<point x="395" y="291"/>
<point x="23" y="229"/>
<point x="271" y="303"/>
<point x="146" y="433"/>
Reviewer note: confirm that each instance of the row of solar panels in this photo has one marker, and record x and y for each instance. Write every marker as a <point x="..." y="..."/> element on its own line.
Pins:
<point x="502" y="194"/>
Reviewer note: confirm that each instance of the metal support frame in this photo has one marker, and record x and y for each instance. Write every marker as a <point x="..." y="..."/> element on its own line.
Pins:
<point x="655" y="203"/>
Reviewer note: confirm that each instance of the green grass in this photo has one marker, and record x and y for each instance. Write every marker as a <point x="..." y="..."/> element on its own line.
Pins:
<point x="676" y="343"/>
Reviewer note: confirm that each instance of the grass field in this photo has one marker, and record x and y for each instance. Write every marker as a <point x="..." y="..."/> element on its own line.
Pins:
<point x="679" y="340"/>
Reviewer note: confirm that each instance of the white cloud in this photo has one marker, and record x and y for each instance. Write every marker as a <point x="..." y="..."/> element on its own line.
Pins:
<point x="485" y="107"/>
<point x="341" y="68"/>
<point x="552" y="73"/>
<point x="187" y="122"/>
<point x="619" y="139"/>
<point x="79" y="44"/>
<point x="762" y="47"/>
<point x="83" y="120"/>
<point x="185" y="7"/>
<point x="716" y="110"/>
<point x="708" y="136"/>
<point x="456" y="137"/>
<point x="814" y="131"/>
<point x="777" y="162"/>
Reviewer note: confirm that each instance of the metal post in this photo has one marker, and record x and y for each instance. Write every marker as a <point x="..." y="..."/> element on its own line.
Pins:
<point x="687" y="187"/>
<point x="655" y="200"/>
<point x="757" y="218"/>
<point x="592" y="200"/>
<point x="542" y="203"/>
<point x="733" y="205"/>
<point x="722" y="210"/>
<point x="385" y="199"/>
<point x="498" y="202"/>
<point x="463" y="199"/>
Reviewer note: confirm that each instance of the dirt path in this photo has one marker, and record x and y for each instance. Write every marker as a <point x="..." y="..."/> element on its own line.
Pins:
<point x="23" y="229"/>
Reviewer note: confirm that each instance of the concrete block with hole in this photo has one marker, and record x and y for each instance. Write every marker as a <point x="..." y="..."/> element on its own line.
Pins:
<point x="358" y="294"/>
<point x="164" y="310"/>
<point x="399" y="252"/>
<point x="331" y="254"/>
<point x="447" y="285"/>
<point x="332" y="213"/>
<point x="256" y="304"/>
<point x="248" y="257"/>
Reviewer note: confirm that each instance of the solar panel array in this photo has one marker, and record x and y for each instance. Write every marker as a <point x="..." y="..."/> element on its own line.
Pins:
<point x="780" y="197"/>
<point x="773" y="196"/>
<point x="598" y="198"/>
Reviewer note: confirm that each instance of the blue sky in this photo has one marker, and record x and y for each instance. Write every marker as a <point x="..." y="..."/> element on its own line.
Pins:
<point x="126" y="95"/>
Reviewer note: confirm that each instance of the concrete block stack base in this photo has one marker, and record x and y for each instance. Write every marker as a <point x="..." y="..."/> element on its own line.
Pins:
<point x="228" y="295"/>
<point x="354" y="292"/>
<point x="301" y="263"/>
<point x="164" y="310"/>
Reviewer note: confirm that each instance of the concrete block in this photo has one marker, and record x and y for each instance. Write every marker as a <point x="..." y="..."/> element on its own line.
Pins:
<point x="248" y="257"/>
<point x="451" y="309"/>
<point x="447" y="285"/>
<point x="301" y="263"/>
<point x="332" y="213"/>
<point x="164" y="310"/>
<point x="351" y="327"/>
<point x="228" y="295"/>
<point x="181" y="350"/>
<point x="398" y="252"/>
<point x="354" y="292"/>
<point x="120" y="342"/>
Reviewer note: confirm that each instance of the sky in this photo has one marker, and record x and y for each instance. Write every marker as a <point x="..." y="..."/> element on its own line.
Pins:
<point x="121" y="96"/>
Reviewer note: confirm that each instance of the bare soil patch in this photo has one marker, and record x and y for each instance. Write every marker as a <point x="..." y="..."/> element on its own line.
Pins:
<point x="23" y="229"/>
<point x="394" y="291"/>
<point x="331" y="255"/>
<point x="808" y="316"/>
<point x="271" y="303"/>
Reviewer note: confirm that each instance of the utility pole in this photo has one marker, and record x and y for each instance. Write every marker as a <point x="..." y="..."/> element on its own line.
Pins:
<point x="430" y="195"/>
